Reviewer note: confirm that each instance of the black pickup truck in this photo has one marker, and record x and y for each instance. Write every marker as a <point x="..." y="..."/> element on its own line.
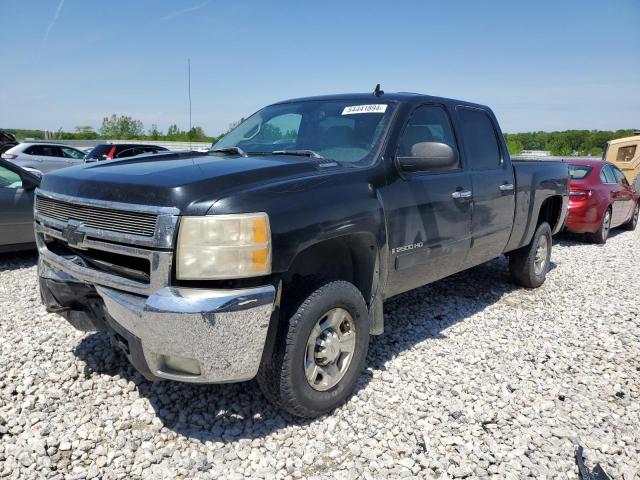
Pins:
<point x="271" y="256"/>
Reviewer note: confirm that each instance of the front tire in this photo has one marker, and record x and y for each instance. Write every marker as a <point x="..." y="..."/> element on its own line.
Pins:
<point x="529" y="265"/>
<point x="319" y="352"/>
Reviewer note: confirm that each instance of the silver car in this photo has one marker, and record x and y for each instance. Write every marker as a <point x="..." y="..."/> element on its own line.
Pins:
<point x="16" y="207"/>
<point x="44" y="157"/>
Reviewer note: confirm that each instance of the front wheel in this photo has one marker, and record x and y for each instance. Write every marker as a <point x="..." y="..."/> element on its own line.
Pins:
<point x="529" y="265"/>
<point x="319" y="353"/>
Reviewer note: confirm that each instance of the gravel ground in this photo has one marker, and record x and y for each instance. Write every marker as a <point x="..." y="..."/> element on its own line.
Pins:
<point x="473" y="378"/>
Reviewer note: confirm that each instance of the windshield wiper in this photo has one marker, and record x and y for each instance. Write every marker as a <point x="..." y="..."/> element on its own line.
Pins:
<point x="299" y="153"/>
<point x="236" y="150"/>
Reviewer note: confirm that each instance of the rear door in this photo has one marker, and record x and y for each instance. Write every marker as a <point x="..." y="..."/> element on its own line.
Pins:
<point x="493" y="184"/>
<point x="428" y="213"/>
<point x="16" y="205"/>
<point x="48" y="157"/>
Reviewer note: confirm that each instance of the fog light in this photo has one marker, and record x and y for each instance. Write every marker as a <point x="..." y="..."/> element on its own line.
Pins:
<point x="180" y="365"/>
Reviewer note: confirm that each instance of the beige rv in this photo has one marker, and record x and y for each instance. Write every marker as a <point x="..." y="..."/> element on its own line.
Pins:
<point x="624" y="153"/>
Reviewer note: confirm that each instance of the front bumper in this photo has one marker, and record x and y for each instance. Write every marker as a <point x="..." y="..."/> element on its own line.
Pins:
<point x="183" y="334"/>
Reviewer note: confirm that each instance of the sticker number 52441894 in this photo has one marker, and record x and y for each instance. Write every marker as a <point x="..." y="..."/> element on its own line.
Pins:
<point x="378" y="108"/>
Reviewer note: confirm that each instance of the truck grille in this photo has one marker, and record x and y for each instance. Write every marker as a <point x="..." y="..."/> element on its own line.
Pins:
<point x="132" y="223"/>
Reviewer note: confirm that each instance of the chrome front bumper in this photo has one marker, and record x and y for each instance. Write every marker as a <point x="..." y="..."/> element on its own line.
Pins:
<point x="184" y="334"/>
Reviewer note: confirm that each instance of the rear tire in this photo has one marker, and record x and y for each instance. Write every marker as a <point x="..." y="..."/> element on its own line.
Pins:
<point x="529" y="265"/>
<point x="601" y="235"/>
<point x="633" y="221"/>
<point x="319" y="352"/>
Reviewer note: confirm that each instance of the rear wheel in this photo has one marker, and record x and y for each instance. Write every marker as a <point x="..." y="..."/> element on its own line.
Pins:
<point x="633" y="221"/>
<point x="319" y="353"/>
<point x="601" y="235"/>
<point x="529" y="265"/>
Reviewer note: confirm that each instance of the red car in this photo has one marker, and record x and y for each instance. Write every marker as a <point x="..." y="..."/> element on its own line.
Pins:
<point x="600" y="198"/>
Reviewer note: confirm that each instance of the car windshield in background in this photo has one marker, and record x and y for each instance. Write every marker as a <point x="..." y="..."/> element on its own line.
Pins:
<point x="578" y="172"/>
<point x="343" y="131"/>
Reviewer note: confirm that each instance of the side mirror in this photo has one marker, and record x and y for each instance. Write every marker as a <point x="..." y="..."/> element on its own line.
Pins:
<point x="29" y="183"/>
<point x="430" y="156"/>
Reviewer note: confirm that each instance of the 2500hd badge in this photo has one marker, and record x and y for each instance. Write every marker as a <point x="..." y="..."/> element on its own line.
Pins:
<point x="270" y="256"/>
<point x="404" y="248"/>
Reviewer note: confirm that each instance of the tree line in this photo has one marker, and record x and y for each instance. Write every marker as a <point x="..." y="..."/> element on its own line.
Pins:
<point x="565" y="143"/>
<point x="119" y="127"/>
<point x="122" y="127"/>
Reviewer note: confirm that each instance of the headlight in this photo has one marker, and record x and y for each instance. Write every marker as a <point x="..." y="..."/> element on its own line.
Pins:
<point x="218" y="247"/>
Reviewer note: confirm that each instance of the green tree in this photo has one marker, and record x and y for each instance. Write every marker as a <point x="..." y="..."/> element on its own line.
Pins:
<point x="154" y="132"/>
<point x="121" y="127"/>
<point x="514" y="145"/>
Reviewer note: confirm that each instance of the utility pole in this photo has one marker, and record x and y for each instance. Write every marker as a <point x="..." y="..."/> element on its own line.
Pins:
<point x="189" y="77"/>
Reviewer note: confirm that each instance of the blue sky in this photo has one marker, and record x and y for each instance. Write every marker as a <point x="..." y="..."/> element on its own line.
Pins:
<point x="541" y="65"/>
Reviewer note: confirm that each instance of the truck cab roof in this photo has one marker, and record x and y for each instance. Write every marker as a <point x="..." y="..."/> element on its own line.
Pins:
<point x="399" y="97"/>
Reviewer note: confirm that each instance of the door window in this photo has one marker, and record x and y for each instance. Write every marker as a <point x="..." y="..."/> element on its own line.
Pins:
<point x="9" y="179"/>
<point x="428" y="123"/>
<point x="606" y="175"/>
<point x="44" y="151"/>
<point x="71" y="153"/>
<point x="620" y="178"/>
<point x="130" y="152"/>
<point x="480" y="140"/>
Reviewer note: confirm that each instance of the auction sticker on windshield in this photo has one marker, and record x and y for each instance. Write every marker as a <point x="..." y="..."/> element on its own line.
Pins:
<point x="378" y="108"/>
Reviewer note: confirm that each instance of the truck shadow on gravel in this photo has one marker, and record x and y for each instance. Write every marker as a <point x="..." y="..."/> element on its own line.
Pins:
<point x="234" y="411"/>
<point x="18" y="260"/>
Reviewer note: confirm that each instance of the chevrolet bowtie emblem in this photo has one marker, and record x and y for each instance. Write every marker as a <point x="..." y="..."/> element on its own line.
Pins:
<point x="73" y="232"/>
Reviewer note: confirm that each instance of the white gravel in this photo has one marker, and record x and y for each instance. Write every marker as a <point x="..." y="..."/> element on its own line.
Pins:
<point x="473" y="378"/>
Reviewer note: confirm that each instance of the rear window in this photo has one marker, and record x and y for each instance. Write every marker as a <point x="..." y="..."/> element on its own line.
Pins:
<point x="626" y="154"/>
<point x="99" y="151"/>
<point x="578" y="172"/>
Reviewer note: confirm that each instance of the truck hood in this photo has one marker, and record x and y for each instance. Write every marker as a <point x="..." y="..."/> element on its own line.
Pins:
<point x="190" y="182"/>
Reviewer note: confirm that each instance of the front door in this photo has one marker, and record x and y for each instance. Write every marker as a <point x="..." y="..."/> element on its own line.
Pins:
<point x="493" y="186"/>
<point x="624" y="197"/>
<point x="16" y="205"/>
<point x="428" y="213"/>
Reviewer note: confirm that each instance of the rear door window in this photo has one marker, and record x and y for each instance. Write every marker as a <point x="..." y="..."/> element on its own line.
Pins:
<point x="480" y="139"/>
<point x="44" y="150"/>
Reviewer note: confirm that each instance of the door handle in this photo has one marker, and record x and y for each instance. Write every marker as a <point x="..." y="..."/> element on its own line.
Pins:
<point x="461" y="194"/>
<point x="506" y="187"/>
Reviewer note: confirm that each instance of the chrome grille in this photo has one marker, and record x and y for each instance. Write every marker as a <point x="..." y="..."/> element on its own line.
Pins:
<point x="121" y="221"/>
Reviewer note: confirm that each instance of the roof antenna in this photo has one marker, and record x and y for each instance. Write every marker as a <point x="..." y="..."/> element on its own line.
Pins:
<point x="377" y="92"/>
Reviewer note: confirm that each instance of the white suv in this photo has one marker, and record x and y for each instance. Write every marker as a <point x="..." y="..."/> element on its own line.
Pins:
<point x="44" y="157"/>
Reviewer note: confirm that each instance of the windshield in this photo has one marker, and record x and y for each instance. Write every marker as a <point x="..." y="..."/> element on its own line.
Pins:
<point x="344" y="131"/>
<point x="578" y="172"/>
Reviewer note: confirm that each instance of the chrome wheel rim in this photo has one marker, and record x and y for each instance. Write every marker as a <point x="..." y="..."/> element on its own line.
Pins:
<point x="606" y="224"/>
<point x="330" y="349"/>
<point x="540" y="261"/>
<point x="636" y="214"/>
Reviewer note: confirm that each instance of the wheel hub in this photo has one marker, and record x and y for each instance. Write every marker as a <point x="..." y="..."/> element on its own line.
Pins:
<point x="540" y="260"/>
<point x="330" y="348"/>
